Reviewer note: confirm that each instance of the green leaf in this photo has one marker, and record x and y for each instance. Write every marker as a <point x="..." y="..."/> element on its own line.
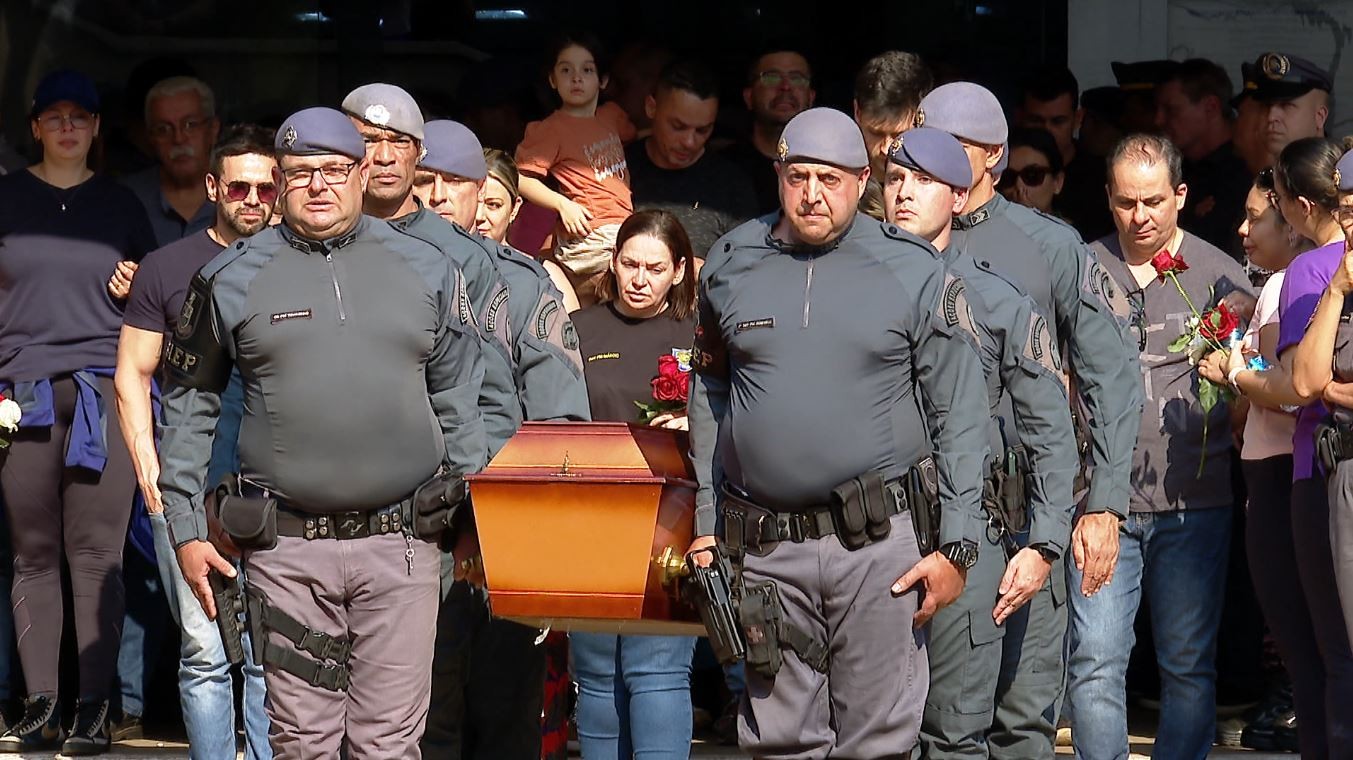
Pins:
<point x="1208" y="395"/>
<point x="1180" y="343"/>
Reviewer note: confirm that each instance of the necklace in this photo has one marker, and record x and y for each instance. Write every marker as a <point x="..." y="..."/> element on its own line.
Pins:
<point x="64" y="195"/>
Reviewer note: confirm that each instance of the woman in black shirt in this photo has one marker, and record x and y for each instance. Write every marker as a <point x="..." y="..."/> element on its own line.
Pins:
<point x="69" y="240"/>
<point x="634" y="691"/>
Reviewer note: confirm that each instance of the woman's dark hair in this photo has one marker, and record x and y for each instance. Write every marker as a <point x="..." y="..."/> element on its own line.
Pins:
<point x="664" y="226"/>
<point x="1041" y="141"/>
<point x="585" y="40"/>
<point x="1305" y="169"/>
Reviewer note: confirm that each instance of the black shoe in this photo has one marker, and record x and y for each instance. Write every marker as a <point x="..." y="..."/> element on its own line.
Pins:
<point x="128" y="728"/>
<point x="38" y="730"/>
<point x="1260" y="732"/>
<point x="1285" y="733"/>
<point x="89" y="735"/>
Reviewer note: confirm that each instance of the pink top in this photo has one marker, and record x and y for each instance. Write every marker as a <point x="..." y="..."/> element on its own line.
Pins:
<point x="1268" y="432"/>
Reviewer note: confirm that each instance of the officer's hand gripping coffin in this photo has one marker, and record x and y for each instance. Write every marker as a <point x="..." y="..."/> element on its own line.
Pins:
<point x="583" y="526"/>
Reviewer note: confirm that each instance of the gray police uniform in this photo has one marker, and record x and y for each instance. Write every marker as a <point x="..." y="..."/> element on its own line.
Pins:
<point x="1030" y="414"/>
<point x="487" y="673"/>
<point x="815" y="366"/>
<point x="360" y="383"/>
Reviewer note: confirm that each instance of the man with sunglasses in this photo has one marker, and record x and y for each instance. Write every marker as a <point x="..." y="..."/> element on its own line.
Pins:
<point x="1048" y="261"/>
<point x="361" y="369"/>
<point x="243" y="193"/>
<point x="779" y="87"/>
<point x="182" y="125"/>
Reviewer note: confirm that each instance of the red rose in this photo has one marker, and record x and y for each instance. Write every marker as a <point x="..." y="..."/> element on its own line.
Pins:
<point x="666" y="389"/>
<point x="684" y="387"/>
<point x="1218" y="323"/>
<point x="1164" y="263"/>
<point x="668" y="366"/>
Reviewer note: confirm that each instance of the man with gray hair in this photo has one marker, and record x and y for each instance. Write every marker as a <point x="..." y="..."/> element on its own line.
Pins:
<point x="182" y="125"/>
<point x="1173" y="545"/>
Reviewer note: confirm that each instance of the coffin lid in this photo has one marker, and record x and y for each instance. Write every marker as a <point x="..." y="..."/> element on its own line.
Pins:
<point x="617" y="452"/>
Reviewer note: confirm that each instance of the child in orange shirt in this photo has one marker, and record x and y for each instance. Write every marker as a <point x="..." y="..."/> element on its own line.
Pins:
<point x="580" y="146"/>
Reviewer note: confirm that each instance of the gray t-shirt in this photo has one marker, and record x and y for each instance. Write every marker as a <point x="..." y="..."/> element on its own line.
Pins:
<point x="1165" y="464"/>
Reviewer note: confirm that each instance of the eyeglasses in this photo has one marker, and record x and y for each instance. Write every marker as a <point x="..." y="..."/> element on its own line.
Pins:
<point x="54" y="122"/>
<point x="238" y="191"/>
<point x="165" y="130"/>
<point x="1032" y="176"/>
<point x="334" y="174"/>
<point x="775" y="78"/>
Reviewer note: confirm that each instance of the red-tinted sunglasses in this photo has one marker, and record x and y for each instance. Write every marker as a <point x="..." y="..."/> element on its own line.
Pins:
<point x="238" y="191"/>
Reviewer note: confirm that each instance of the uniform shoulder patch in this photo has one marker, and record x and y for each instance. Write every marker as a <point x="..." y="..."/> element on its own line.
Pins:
<point x="553" y="327"/>
<point x="495" y="306"/>
<point x="1040" y="346"/>
<point x="1100" y="285"/>
<point x="954" y="310"/>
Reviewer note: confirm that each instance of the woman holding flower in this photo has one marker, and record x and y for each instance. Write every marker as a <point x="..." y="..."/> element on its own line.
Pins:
<point x="634" y="691"/>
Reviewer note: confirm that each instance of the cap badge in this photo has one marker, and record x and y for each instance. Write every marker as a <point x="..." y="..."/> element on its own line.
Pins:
<point x="377" y="114"/>
<point x="919" y="121"/>
<point x="289" y="137"/>
<point x="1338" y="176"/>
<point x="895" y="145"/>
<point x="1275" y="65"/>
<point x="782" y="149"/>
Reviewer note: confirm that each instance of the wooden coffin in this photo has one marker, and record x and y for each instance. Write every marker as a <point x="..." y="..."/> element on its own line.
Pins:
<point x="583" y="525"/>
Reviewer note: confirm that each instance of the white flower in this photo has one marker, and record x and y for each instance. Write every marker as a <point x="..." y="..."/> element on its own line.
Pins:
<point x="10" y="414"/>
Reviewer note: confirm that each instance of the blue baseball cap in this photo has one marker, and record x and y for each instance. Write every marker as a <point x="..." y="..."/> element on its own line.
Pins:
<point x="823" y="136"/>
<point x="451" y="148"/>
<point x="319" y="130"/>
<point x="67" y="85"/>
<point x="934" y="152"/>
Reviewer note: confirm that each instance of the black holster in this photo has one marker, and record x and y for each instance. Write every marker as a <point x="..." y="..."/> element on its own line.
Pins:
<point x="710" y="590"/>
<point x="1006" y="494"/>
<point x="250" y="522"/>
<point x="1333" y="443"/>
<point x="230" y="611"/>
<point x="860" y="510"/>
<point x="435" y="504"/>
<point x="923" y="492"/>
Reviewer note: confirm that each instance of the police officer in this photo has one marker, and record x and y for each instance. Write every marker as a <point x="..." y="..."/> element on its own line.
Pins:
<point x="838" y="388"/>
<point x="1033" y="454"/>
<point x="361" y="376"/>
<point x="1295" y="98"/>
<point x="1049" y="263"/>
<point x="487" y="672"/>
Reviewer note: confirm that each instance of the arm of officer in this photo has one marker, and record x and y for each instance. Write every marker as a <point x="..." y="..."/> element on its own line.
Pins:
<point x="549" y="367"/>
<point x="198" y="364"/>
<point x="948" y="372"/>
<point x="138" y="355"/>
<point x="455" y="374"/>
<point x="705" y="411"/>
<point x="1032" y="373"/>
<point x="1092" y="315"/>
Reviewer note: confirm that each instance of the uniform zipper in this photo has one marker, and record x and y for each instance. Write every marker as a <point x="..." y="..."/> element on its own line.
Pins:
<point x="808" y="291"/>
<point x="338" y="292"/>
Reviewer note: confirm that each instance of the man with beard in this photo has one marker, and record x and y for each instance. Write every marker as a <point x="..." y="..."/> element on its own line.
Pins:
<point x="779" y="87"/>
<point x="243" y="192"/>
<point x="182" y="124"/>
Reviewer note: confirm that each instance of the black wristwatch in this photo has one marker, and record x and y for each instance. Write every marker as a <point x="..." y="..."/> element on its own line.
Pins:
<point x="1050" y="554"/>
<point x="962" y="553"/>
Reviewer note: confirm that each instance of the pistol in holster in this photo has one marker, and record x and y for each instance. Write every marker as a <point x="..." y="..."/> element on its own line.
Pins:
<point x="1333" y="443"/>
<point x="710" y="590"/>
<point x="923" y="491"/>
<point x="230" y="610"/>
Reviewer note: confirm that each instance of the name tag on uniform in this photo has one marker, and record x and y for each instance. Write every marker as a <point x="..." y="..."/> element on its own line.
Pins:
<point x="294" y="314"/>
<point x="753" y="324"/>
<point x="607" y="355"/>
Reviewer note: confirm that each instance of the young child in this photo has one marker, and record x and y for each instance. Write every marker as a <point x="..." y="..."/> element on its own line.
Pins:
<point x="581" y="147"/>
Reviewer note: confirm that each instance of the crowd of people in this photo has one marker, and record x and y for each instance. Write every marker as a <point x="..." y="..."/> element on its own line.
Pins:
<point x="1040" y="371"/>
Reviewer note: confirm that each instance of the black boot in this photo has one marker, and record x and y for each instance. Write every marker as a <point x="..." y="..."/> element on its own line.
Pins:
<point x="1261" y="732"/>
<point x="1285" y="733"/>
<point x="89" y="735"/>
<point x="39" y="729"/>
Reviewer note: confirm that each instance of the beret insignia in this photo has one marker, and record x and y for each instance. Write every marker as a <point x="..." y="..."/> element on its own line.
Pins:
<point x="895" y="145"/>
<point x="377" y="114"/>
<point x="1338" y="176"/>
<point x="289" y="137"/>
<point x="782" y="149"/>
<point x="919" y="121"/>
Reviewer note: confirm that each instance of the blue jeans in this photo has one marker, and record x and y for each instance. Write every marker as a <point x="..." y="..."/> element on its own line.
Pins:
<point x="1179" y="560"/>
<point x="634" y="695"/>
<point x="205" y="692"/>
<point x="147" y="617"/>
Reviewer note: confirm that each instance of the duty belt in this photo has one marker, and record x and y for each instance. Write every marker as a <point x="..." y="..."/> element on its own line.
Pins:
<point x="771" y="526"/>
<point x="298" y="523"/>
<point x="1333" y="444"/>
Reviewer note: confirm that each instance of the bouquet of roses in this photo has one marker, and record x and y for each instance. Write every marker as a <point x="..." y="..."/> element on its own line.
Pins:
<point x="10" y="415"/>
<point x="1213" y="330"/>
<point x="671" y="390"/>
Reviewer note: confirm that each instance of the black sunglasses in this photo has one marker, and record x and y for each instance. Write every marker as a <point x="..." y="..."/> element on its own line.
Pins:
<point x="1032" y="176"/>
